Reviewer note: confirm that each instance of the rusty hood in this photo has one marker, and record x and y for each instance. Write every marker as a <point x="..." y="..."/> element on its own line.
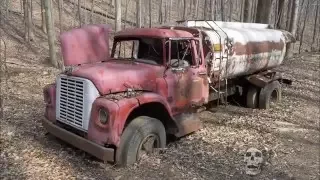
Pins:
<point x="119" y="75"/>
<point x="87" y="44"/>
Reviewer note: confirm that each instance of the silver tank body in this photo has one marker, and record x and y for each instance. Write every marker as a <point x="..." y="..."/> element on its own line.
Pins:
<point x="242" y="48"/>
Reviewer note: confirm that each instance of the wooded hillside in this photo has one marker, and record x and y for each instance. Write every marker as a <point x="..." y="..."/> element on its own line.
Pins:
<point x="297" y="16"/>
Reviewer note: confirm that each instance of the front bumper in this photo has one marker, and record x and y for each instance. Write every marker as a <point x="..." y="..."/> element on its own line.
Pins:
<point x="100" y="152"/>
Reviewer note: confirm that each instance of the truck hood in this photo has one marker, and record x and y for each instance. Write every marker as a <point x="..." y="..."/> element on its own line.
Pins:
<point x="118" y="76"/>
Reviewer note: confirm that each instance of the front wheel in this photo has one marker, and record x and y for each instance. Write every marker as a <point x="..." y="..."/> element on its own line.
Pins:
<point x="141" y="136"/>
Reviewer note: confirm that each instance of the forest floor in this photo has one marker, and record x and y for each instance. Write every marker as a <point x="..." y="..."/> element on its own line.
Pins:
<point x="289" y="131"/>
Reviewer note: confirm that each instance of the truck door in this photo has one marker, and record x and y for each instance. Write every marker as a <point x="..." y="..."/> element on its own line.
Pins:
<point x="186" y="76"/>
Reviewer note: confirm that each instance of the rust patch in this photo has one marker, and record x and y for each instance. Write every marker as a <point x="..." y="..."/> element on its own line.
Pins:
<point x="187" y="123"/>
<point x="257" y="47"/>
<point x="122" y="95"/>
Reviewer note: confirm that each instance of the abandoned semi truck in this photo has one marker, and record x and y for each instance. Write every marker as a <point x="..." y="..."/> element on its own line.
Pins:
<point x="118" y="106"/>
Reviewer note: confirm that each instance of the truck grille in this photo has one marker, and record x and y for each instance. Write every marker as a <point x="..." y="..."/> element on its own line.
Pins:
<point x="74" y="101"/>
<point x="71" y="101"/>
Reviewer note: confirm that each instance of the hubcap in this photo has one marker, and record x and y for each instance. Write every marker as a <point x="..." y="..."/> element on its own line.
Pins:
<point x="147" y="145"/>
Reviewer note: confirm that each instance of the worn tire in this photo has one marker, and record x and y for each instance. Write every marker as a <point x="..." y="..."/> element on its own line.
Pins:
<point x="270" y="91"/>
<point x="133" y="136"/>
<point x="252" y="97"/>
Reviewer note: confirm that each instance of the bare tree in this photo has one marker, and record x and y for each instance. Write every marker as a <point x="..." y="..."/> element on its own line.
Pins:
<point x="138" y="6"/>
<point x="79" y="13"/>
<point x="230" y="10"/>
<point x="60" y="9"/>
<point x="170" y="9"/>
<point x="185" y="9"/>
<point x="222" y="9"/>
<point x="213" y="9"/>
<point x="126" y="12"/>
<point x="29" y="36"/>
<point x="289" y="13"/>
<point x="247" y="7"/>
<point x="51" y="33"/>
<point x="150" y="13"/>
<point x="294" y="21"/>
<point x="43" y="16"/>
<point x="91" y="11"/>
<point x="205" y="12"/>
<point x="279" y="14"/>
<point x="118" y="15"/>
<point x="160" y="12"/>
<point x="197" y="8"/>
<point x="263" y="11"/>
<point x="304" y="24"/>
<point x="317" y="12"/>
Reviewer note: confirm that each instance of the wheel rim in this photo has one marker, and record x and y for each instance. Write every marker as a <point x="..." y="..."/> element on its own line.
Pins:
<point x="274" y="97"/>
<point x="147" y="145"/>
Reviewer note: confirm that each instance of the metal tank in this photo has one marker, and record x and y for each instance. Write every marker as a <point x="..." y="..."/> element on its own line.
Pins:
<point x="241" y="48"/>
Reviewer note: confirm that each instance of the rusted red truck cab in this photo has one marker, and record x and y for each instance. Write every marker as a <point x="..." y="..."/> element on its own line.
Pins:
<point x="154" y="74"/>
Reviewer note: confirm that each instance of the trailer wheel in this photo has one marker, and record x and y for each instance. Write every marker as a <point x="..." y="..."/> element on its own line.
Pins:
<point x="141" y="136"/>
<point x="270" y="94"/>
<point x="252" y="97"/>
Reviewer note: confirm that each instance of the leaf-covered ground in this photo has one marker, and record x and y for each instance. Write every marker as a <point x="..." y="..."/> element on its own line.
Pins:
<point x="289" y="132"/>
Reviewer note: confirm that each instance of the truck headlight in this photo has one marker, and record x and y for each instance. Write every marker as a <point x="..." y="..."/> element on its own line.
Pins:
<point x="103" y="116"/>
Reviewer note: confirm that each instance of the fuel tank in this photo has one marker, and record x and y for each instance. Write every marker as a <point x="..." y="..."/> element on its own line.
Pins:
<point x="238" y="49"/>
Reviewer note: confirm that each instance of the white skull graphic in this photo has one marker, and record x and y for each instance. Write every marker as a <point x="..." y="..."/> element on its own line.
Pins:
<point x="253" y="159"/>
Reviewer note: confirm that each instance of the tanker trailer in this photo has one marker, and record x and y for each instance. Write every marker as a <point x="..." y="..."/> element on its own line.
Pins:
<point x="236" y="51"/>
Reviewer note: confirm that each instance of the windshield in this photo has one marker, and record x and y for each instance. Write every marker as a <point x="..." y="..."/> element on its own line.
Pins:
<point x="146" y="50"/>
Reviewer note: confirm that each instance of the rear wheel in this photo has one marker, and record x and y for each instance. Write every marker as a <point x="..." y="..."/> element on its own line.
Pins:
<point x="140" y="138"/>
<point x="269" y="95"/>
<point x="252" y="97"/>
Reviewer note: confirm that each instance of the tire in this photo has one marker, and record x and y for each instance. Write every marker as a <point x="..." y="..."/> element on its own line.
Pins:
<point x="139" y="131"/>
<point x="270" y="92"/>
<point x="252" y="97"/>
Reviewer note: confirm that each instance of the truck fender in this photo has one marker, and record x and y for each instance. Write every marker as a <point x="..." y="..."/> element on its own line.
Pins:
<point x="147" y="99"/>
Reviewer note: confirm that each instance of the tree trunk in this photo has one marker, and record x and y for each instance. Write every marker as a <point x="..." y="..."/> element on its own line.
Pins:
<point x="304" y="25"/>
<point x="205" y="12"/>
<point x="126" y="12"/>
<point x="247" y="10"/>
<point x="317" y="11"/>
<point x="51" y="33"/>
<point x="212" y="9"/>
<point x="150" y="13"/>
<point x="197" y="9"/>
<point x="160" y="12"/>
<point x="280" y="10"/>
<point x="60" y="9"/>
<point x="166" y="11"/>
<point x="294" y="15"/>
<point x="170" y="9"/>
<point x="230" y="10"/>
<point x="222" y="10"/>
<point x="138" y="13"/>
<point x="289" y="13"/>
<point x="91" y="12"/>
<point x="43" y="17"/>
<point x="85" y="13"/>
<point x="79" y="13"/>
<point x="185" y="10"/>
<point x="29" y="36"/>
<point x="299" y="19"/>
<point x="118" y="15"/>
<point x="263" y="11"/>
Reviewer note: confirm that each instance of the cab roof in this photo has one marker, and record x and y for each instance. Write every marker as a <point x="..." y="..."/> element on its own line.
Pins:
<point x="153" y="32"/>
